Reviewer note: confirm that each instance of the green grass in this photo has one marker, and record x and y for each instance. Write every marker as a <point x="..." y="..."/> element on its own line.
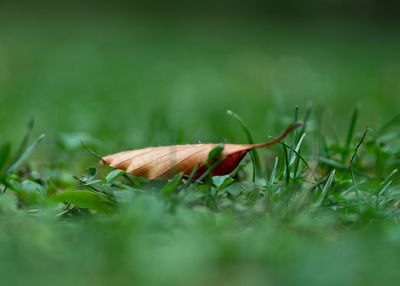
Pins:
<point x="324" y="223"/>
<point x="320" y="208"/>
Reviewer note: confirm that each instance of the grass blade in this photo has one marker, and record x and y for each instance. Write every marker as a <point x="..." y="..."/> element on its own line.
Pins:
<point x="90" y="150"/>
<point x="296" y="117"/>
<point x="209" y="170"/>
<point x="297" y="162"/>
<point x="24" y="142"/>
<point x="386" y="180"/>
<point x="249" y="139"/>
<point x="113" y="175"/>
<point x="350" y="133"/>
<point x="25" y="155"/>
<point x="302" y="159"/>
<point x="358" y="146"/>
<point x="352" y="160"/>
<point x="287" y="170"/>
<point x="172" y="184"/>
<point x="326" y="187"/>
<point x="306" y="118"/>
<point x="190" y="179"/>
<point x="391" y="122"/>
<point x="296" y="150"/>
<point x="273" y="174"/>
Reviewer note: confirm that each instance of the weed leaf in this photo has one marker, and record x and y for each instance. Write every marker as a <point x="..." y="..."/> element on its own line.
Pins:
<point x="85" y="199"/>
<point x="113" y="175"/>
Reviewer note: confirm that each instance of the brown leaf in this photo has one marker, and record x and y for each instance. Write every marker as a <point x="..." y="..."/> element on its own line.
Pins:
<point x="163" y="162"/>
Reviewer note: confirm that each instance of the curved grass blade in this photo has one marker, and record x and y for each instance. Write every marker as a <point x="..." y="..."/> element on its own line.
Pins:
<point x="24" y="142"/>
<point x="90" y="150"/>
<point x="25" y="155"/>
<point x="326" y="187"/>
<point x="273" y="174"/>
<point x="393" y="121"/>
<point x="297" y="160"/>
<point x="255" y="157"/>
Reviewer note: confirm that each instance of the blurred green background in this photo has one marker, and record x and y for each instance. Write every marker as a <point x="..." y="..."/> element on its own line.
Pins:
<point x="123" y="75"/>
<point x="134" y="74"/>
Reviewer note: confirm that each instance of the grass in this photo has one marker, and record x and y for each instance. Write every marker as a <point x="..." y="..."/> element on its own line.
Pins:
<point x="321" y="207"/>
<point x="330" y="221"/>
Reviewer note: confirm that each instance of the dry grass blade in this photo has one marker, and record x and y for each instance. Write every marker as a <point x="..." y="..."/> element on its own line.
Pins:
<point x="163" y="162"/>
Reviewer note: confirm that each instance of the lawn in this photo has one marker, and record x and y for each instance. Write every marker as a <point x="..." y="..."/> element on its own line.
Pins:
<point x="321" y="210"/>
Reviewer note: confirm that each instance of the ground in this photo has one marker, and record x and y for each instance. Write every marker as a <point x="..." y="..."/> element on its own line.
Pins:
<point x="120" y="83"/>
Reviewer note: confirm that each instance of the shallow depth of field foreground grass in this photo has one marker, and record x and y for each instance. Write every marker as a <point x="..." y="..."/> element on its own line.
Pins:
<point x="314" y="218"/>
<point x="323" y="208"/>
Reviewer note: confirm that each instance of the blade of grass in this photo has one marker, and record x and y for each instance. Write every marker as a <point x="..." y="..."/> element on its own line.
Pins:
<point x="384" y="186"/>
<point x="25" y="155"/>
<point x="296" y="117"/>
<point x="358" y="146"/>
<point x="113" y="175"/>
<point x="190" y="179"/>
<point x="172" y="184"/>
<point x="91" y="151"/>
<point x="334" y="128"/>
<point x="274" y="170"/>
<point x="332" y="163"/>
<point x="378" y="197"/>
<point x="350" y="133"/>
<point x="297" y="151"/>
<point x="306" y="118"/>
<point x="214" y="153"/>
<point x="249" y="139"/>
<point x="302" y="159"/>
<point x="394" y="120"/>
<point x="253" y="162"/>
<point x="209" y="170"/>
<point x="352" y="187"/>
<point x="286" y="162"/>
<point x="352" y="160"/>
<point x="388" y="177"/>
<point x="326" y="188"/>
<point x="24" y="142"/>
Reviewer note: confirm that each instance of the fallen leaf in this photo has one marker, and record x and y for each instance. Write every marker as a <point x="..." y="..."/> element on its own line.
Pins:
<point x="163" y="162"/>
